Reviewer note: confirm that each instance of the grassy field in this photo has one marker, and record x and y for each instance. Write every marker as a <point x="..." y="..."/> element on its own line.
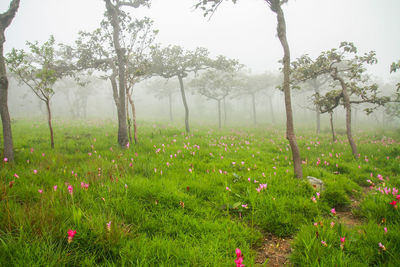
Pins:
<point x="191" y="200"/>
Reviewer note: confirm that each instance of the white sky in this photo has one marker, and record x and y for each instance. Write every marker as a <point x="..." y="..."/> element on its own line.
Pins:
<point x="246" y="31"/>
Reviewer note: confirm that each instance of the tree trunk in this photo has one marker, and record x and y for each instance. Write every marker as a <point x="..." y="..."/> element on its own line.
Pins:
<point x="129" y="121"/>
<point x="170" y="106"/>
<point x="332" y="128"/>
<point x="5" y="20"/>
<point x="318" y="119"/>
<point x="133" y="109"/>
<point x="253" y="101"/>
<point x="224" y="112"/>
<point x="184" y="103"/>
<point x="271" y="109"/>
<point x="347" y="106"/>
<point x="219" y="113"/>
<point x="286" y="89"/>
<point x="49" y="122"/>
<point x="113" y="12"/>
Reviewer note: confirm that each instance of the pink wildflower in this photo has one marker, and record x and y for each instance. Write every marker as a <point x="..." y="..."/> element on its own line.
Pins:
<point x="70" y="189"/>
<point x="71" y="234"/>
<point x="55" y="188"/>
<point x="40" y="191"/>
<point x="333" y="211"/>
<point x="109" y="226"/>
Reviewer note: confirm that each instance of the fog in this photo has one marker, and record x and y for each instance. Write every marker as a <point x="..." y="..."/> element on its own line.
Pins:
<point x="246" y="31"/>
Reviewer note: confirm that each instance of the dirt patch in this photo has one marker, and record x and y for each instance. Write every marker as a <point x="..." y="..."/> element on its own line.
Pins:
<point x="275" y="250"/>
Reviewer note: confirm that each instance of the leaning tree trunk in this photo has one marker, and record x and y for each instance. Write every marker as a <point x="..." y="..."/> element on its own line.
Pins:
<point x="184" y="103"/>
<point x="5" y="20"/>
<point x="113" y="12"/>
<point x="347" y="106"/>
<point x="219" y="113"/>
<point x="129" y="122"/>
<point x="286" y="89"/>
<point x="170" y="106"/>
<point x="332" y="128"/>
<point x="133" y="109"/>
<point x="253" y="101"/>
<point x="49" y="122"/>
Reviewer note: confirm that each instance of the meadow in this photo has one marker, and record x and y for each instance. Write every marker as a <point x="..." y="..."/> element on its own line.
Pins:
<point x="177" y="199"/>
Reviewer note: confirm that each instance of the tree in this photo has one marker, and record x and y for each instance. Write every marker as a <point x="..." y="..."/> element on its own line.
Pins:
<point x="346" y="69"/>
<point x="209" y="6"/>
<point x="39" y="70"/>
<point x="174" y="61"/>
<point x="252" y="85"/>
<point x="216" y="85"/>
<point x="5" y="21"/>
<point x="162" y="88"/>
<point x="111" y="48"/>
<point x="393" y="109"/>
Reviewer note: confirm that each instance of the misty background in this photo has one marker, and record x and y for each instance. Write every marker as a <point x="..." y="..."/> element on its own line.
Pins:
<point x="246" y="32"/>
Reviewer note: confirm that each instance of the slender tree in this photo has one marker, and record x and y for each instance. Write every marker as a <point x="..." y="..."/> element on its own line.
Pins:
<point x="209" y="6"/>
<point x="174" y="61"/>
<point x="346" y="70"/>
<point x="39" y="70"/>
<point x="5" y="21"/>
<point x="164" y="88"/>
<point x="112" y="50"/>
<point x="216" y="85"/>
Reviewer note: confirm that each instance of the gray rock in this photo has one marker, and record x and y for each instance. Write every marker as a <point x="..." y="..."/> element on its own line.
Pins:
<point x="316" y="183"/>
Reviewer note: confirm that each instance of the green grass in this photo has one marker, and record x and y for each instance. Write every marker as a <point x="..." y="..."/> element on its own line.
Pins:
<point x="168" y="203"/>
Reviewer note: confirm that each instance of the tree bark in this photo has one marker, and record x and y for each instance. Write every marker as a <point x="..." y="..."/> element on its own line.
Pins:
<point x="170" y="106"/>
<point x="49" y="122"/>
<point x="281" y="29"/>
<point x="332" y="128"/>
<point x="133" y="109"/>
<point x="219" y="113"/>
<point x="129" y="122"/>
<point x="5" y="20"/>
<point x="184" y="103"/>
<point x="347" y="106"/>
<point x="253" y="101"/>
<point x="122" y="123"/>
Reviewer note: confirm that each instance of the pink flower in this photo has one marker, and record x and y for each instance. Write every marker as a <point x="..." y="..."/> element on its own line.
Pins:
<point x="16" y="175"/>
<point x="70" y="189"/>
<point x="244" y="206"/>
<point x="333" y="211"/>
<point x="380" y="177"/>
<point x="35" y="171"/>
<point x="84" y="185"/>
<point x="228" y="189"/>
<point x="126" y="186"/>
<point x="40" y="191"/>
<point x="5" y="159"/>
<point x="55" y="188"/>
<point x="332" y="224"/>
<point x="238" y="252"/>
<point x="381" y="246"/>
<point x="71" y="234"/>
<point x="385" y="229"/>
<point x="109" y="226"/>
<point x="393" y="203"/>
<point x="324" y="243"/>
<point x="314" y="199"/>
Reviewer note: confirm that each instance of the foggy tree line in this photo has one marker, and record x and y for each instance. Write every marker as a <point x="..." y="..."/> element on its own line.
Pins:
<point x="123" y="52"/>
